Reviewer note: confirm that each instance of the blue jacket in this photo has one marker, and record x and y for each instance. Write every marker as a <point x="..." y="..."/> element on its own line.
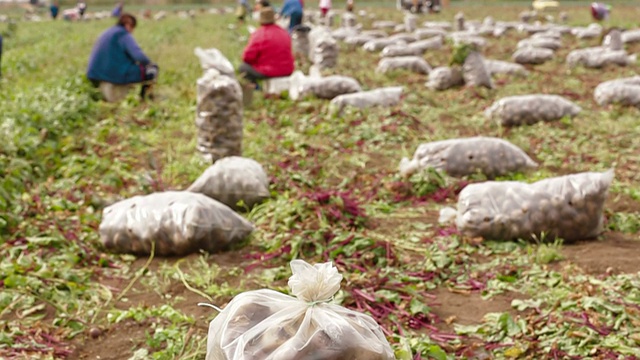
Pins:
<point x="116" y="57"/>
<point x="291" y="7"/>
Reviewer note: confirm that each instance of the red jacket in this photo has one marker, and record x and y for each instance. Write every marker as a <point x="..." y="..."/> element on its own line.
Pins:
<point x="269" y="51"/>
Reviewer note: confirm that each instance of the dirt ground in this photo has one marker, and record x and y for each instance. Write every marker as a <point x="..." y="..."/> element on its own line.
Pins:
<point x="614" y="253"/>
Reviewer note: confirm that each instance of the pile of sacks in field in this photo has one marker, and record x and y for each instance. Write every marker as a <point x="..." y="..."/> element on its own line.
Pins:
<point x="203" y="216"/>
<point x="569" y="207"/>
<point x="182" y="222"/>
<point x="611" y="52"/>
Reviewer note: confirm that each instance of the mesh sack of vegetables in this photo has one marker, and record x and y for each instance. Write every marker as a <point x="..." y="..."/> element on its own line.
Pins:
<point x="504" y="67"/>
<point x="321" y="87"/>
<point x="395" y="50"/>
<point x="378" y="34"/>
<point x="379" y="44"/>
<point x="219" y="116"/>
<point x="442" y="78"/>
<point x="624" y="91"/>
<point x="530" y="109"/>
<point x="477" y="42"/>
<point x="613" y="40"/>
<point x="429" y="33"/>
<point x="384" y="24"/>
<point x="474" y="71"/>
<point x="569" y="207"/>
<point x="300" y="40"/>
<point x="599" y="57"/>
<point x="177" y="222"/>
<point x="388" y="96"/>
<point x="590" y="32"/>
<point x="540" y="42"/>
<point x="359" y="39"/>
<point x="323" y="49"/>
<point x="233" y="180"/>
<point x="414" y="64"/>
<point x="214" y="59"/>
<point x="348" y="20"/>
<point x="532" y="55"/>
<point x="631" y="36"/>
<point x="266" y="324"/>
<point x="460" y="157"/>
<point x="343" y="33"/>
<point x="433" y="43"/>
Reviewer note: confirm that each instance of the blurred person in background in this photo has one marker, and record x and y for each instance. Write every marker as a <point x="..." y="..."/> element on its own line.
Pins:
<point x="116" y="58"/>
<point x="600" y="11"/>
<point x="54" y="9"/>
<point x="293" y="10"/>
<point x="82" y="8"/>
<point x="268" y="53"/>
<point x="242" y="10"/>
<point x="325" y="6"/>
<point x="350" y="5"/>
<point x="117" y="11"/>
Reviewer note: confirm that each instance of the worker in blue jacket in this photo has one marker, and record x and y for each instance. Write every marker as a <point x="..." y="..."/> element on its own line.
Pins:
<point x="116" y="58"/>
<point x="293" y="10"/>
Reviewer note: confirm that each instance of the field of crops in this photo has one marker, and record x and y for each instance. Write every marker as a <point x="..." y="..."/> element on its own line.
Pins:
<point x="336" y="196"/>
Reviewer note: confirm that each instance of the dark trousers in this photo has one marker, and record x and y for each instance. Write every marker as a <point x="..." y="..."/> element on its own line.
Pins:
<point x="250" y="73"/>
<point x="295" y="20"/>
<point x="149" y="74"/>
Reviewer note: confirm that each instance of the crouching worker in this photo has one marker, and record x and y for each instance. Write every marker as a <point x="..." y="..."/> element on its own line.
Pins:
<point x="117" y="59"/>
<point x="268" y="53"/>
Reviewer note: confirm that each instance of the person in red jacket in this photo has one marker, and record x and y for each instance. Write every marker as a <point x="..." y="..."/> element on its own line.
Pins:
<point x="268" y="53"/>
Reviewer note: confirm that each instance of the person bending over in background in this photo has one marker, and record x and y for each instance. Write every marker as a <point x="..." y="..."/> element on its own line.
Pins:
<point x="293" y="10"/>
<point x="268" y="53"/>
<point x="116" y="58"/>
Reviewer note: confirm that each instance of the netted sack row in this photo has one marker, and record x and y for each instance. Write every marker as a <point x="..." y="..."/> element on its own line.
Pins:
<point x="266" y="324"/>
<point x="504" y="67"/>
<point x="532" y="55"/>
<point x="599" y="57"/>
<point x="461" y="157"/>
<point x="540" y="42"/>
<point x="631" y="36"/>
<point x="321" y="87"/>
<point x="234" y="180"/>
<point x="442" y="78"/>
<point x="380" y="44"/>
<point x="592" y="31"/>
<point x="530" y="109"/>
<point x="569" y="207"/>
<point x="323" y="48"/>
<point x="395" y="50"/>
<point x="384" y="24"/>
<point x="429" y="33"/>
<point x="414" y="64"/>
<point x="177" y="222"/>
<point x="477" y="42"/>
<point x="388" y="96"/>
<point x="624" y="91"/>
<point x="219" y="115"/>
<point x="344" y="32"/>
<point x="359" y="39"/>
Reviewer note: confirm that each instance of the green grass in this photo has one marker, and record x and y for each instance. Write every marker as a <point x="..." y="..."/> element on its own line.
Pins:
<point x="64" y="156"/>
